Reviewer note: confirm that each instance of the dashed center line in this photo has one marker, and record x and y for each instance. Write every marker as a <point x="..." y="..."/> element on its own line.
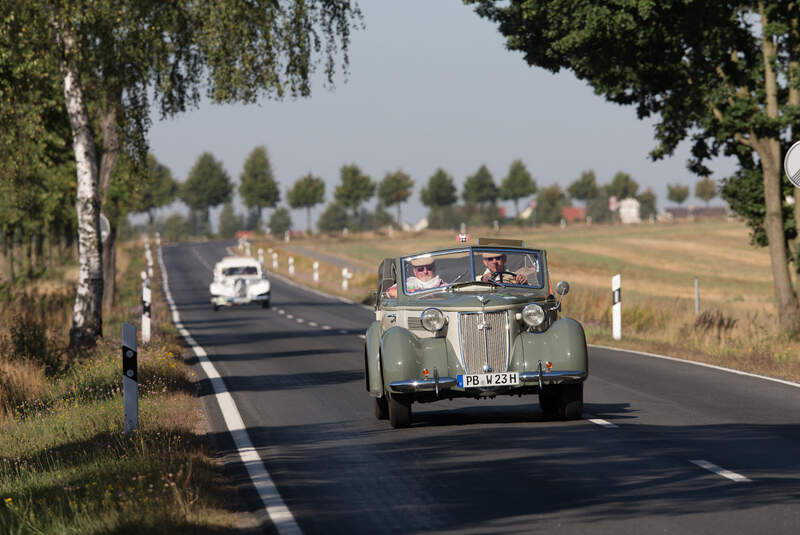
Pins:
<point x="289" y="316"/>
<point x="711" y="467"/>
<point x="601" y="422"/>
<point x="326" y="327"/>
<point x="313" y="324"/>
<point x="300" y="320"/>
<point x="281" y="311"/>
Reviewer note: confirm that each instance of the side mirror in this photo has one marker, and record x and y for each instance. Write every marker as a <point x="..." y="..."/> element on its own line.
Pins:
<point x="562" y="288"/>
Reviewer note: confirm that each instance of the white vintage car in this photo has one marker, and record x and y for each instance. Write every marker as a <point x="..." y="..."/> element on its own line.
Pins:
<point x="239" y="280"/>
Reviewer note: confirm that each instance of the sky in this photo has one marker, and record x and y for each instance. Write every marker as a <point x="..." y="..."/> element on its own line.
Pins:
<point x="430" y="85"/>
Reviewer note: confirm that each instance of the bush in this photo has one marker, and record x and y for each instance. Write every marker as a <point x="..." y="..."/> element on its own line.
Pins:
<point x="27" y="340"/>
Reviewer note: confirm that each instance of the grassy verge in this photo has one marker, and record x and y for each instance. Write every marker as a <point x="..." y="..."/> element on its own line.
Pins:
<point x="65" y="465"/>
<point x="737" y="326"/>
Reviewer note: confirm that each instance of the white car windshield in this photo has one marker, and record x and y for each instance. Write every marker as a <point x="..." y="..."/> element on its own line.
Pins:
<point x="240" y="270"/>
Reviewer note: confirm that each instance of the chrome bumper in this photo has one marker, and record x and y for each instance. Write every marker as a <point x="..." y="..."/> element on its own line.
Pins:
<point x="525" y="378"/>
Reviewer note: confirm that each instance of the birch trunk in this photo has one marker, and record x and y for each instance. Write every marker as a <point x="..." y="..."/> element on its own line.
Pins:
<point x="87" y="320"/>
<point x="108" y="125"/>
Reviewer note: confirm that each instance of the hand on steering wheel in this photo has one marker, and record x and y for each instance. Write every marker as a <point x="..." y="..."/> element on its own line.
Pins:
<point x="497" y="276"/>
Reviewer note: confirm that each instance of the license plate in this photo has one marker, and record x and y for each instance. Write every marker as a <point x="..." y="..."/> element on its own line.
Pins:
<point x="488" y="379"/>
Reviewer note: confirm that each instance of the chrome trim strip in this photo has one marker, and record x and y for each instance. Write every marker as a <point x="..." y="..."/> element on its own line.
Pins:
<point x="564" y="376"/>
<point x="423" y="385"/>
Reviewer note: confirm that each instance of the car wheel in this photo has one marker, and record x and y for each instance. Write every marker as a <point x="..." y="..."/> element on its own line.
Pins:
<point x="399" y="411"/>
<point x="571" y="406"/>
<point x="381" y="408"/>
<point x="264" y="304"/>
<point x="216" y="307"/>
<point x="548" y="400"/>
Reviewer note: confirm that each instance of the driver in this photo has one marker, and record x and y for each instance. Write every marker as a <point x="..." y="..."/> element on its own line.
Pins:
<point x="496" y="263"/>
<point x="424" y="277"/>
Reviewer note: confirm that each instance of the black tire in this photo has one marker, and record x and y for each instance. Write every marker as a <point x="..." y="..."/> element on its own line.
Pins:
<point x="381" y="408"/>
<point x="548" y="401"/>
<point x="216" y="307"/>
<point x="562" y="401"/>
<point x="264" y="304"/>
<point x="399" y="411"/>
<point x="571" y="406"/>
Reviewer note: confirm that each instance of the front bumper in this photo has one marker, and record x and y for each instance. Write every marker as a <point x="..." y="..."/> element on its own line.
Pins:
<point x="434" y="384"/>
<point x="223" y="300"/>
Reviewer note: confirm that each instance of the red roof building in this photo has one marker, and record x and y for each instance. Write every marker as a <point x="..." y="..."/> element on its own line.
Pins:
<point x="573" y="213"/>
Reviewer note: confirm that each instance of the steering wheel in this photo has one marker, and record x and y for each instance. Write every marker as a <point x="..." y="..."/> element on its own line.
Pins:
<point x="497" y="276"/>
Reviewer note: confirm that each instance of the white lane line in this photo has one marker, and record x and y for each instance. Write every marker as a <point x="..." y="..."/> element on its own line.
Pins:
<point x="694" y="363"/>
<point x="289" y="316"/>
<point x="326" y="327"/>
<point x="281" y="311"/>
<point x="271" y="499"/>
<point x="711" y="467"/>
<point x="601" y="422"/>
<point x="342" y="331"/>
<point x="313" y="324"/>
<point x="300" y="320"/>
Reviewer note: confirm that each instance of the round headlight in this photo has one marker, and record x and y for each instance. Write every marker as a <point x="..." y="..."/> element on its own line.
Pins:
<point x="533" y="315"/>
<point x="432" y="319"/>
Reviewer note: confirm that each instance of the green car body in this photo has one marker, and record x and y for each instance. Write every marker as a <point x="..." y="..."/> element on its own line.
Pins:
<point x="473" y="332"/>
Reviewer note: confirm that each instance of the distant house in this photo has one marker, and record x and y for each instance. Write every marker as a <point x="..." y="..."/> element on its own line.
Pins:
<point x="629" y="211"/>
<point x="573" y="213"/>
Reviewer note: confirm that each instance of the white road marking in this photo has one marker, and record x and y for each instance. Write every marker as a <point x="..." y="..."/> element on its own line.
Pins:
<point x="342" y="331"/>
<point x="711" y="467"/>
<point x="601" y="422"/>
<point x="274" y="505"/>
<point x="281" y="311"/>
<point x="290" y="316"/>
<point x="703" y="364"/>
<point x="313" y="324"/>
<point x="326" y="327"/>
<point x="300" y="320"/>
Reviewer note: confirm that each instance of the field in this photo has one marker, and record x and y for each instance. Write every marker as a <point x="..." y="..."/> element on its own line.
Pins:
<point x="658" y="264"/>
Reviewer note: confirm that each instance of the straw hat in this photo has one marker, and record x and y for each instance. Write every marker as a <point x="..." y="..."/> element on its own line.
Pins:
<point x="422" y="260"/>
<point x="491" y="254"/>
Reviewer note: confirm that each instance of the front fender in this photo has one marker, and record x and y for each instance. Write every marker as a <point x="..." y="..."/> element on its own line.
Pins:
<point x="404" y="355"/>
<point x="372" y="360"/>
<point x="563" y="344"/>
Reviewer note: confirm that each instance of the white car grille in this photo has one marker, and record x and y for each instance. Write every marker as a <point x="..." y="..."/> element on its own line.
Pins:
<point x="474" y="345"/>
<point x="240" y="288"/>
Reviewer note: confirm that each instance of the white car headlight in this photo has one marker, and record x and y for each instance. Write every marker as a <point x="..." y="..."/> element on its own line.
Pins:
<point x="432" y="319"/>
<point x="533" y="315"/>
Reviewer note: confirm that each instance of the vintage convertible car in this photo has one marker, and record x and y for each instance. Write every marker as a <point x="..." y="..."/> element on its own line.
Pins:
<point x="239" y="280"/>
<point x="474" y="321"/>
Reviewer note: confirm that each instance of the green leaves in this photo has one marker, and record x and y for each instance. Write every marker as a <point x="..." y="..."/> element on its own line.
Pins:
<point x="480" y="188"/>
<point x="356" y="187"/>
<point x="440" y="190"/>
<point x="208" y="184"/>
<point x="257" y="184"/>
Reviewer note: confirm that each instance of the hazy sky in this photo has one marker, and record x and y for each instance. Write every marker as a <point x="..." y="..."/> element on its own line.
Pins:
<point x="431" y="85"/>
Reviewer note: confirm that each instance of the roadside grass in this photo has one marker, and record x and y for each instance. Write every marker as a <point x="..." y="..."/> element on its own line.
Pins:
<point x="65" y="464"/>
<point x="737" y="326"/>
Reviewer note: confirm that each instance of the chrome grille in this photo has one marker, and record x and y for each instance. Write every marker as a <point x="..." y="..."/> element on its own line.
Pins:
<point x="240" y="288"/>
<point x="473" y="350"/>
<point x="414" y="323"/>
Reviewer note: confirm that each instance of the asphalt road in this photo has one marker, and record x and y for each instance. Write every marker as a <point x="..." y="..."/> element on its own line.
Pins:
<point x="646" y="458"/>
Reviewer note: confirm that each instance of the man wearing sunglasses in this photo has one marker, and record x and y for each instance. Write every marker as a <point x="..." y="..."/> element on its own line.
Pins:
<point x="496" y="270"/>
<point x="424" y="276"/>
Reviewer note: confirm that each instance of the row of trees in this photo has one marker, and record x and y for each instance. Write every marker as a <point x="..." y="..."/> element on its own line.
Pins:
<point x="78" y="80"/>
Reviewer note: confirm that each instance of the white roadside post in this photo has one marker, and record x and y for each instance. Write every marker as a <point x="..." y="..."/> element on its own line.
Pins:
<point x="291" y="266"/>
<point x="696" y="297"/>
<point x="274" y="261"/>
<point x="287" y="237"/>
<point x="261" y="255"/>
<point x="316" y="271"/>
<point x="616" y="307"/>
<point x="130" y="384"/>
<point x="145" y="309"/>
<point x="247" y="248"/>
<point x="148" y="254"/>
<point x="345" y="278"/>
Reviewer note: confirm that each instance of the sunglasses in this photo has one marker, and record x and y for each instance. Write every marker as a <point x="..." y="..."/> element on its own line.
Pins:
<point x="494" y="258"/>
<point x="428" y="267"/>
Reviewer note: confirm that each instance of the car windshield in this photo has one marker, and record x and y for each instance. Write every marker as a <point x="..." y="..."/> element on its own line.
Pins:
<point x="437" y="270"/>
<point x="240" y="270"/>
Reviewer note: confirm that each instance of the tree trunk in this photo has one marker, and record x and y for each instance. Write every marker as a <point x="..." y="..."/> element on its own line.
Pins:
<point x="87" y="319"/>
<point x="5" y="255"/>
<point x="108" y="125"/>
<point x="110" y="267"/>
<point x="308" y="219"/>
<point x="39" y="252"/>
<point x="12" y="274"/>
<point x="27" y="255"/>
<point x="399" y="222"/>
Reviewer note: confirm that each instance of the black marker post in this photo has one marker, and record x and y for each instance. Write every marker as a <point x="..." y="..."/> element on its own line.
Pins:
<point x="130" y="378"/>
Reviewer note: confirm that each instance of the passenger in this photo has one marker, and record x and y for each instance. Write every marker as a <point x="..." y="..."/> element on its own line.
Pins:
<point x="424" y="277"/>
<point x="496" y="263"/>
